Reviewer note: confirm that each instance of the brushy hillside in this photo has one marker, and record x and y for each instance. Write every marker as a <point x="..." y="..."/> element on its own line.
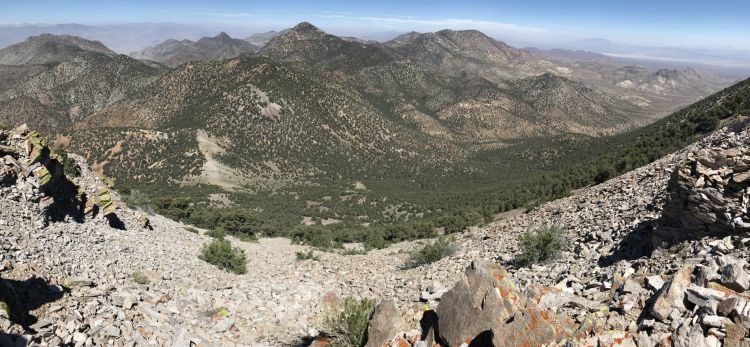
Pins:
<point x="328" y="140"/>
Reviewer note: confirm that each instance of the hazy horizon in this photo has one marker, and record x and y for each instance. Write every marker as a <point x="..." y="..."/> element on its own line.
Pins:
<point x="689" y="24"/>
<point x="668" y="33"/>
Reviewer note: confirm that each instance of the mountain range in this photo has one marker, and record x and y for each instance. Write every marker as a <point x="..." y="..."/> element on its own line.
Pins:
<point x="309" y="113"/>
<point x="173" y="53"/>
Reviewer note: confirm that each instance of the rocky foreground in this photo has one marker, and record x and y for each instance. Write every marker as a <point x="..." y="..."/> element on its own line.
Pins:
<point x="655" y="257"/>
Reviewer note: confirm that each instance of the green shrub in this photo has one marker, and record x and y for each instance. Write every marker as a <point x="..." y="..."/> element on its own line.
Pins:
<point x="238" y="223"/>
<point x="140" y="278"/>
<point x="314" y="235"/>
<point x="460" y="221"/>
<point x="353" y="251"/>
<point x="221" y="253"/>
<point x="309" y="255"/>
<point x="375" y="240"/>
<point x="347" y="323"/>
<point x="541" y="245"/>
<point x="70" y="167"/>
<point x="217" y="234"/>
<point x="136" y="199"/>
<point x="178" y="208"/>
<point x="430" y="253"/>
<point x="192" y="230"/>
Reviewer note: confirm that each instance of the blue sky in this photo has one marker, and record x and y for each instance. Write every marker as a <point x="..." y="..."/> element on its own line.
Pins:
<point x="687" y="23"/>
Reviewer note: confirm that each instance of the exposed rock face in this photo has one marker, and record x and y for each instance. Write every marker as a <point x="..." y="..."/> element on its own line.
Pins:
<point x="35" y="171"/>
<point x="708" y="195"/>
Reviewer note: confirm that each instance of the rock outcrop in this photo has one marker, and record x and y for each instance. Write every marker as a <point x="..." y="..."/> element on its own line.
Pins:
<point x="32" y="170"/>
<point x="708" y="195"/>
<point x="386" y="325"/>
<point x="486" y="307"/>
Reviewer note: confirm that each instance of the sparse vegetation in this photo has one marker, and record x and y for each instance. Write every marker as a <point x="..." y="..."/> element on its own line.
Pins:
<point x="353" y="251"/>
<point x="140" y="278"/>
<point x="220" y="252"/>
<point x="347" y="323"/>
<point x="442" y="247"/>
<point x="216" y="233"/>
<point x="70" y="167"/>
<point x="192" y="230"/>
<point x="541" y="245"/>
<point x="447" y="191"/>
<point x="136" y="199"/>
<point x="309" y="255"/>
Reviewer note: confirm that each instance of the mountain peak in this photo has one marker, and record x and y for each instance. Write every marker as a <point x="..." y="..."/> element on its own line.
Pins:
<point x="549" y="79"/>
<point x="306" y="27"/>
<point x="70" y="40"/>
<point x="47" y="48"/>
<point x="301" y="32"/>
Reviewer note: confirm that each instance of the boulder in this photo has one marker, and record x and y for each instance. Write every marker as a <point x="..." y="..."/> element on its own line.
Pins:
<point x="734" y="306"/>
<point x="385" y="325"/>
<point x="706" y="298"/>
<point x="655" y="282"/>
<point x="486" y="307"/>
<point x="692" y="336"/>
<point x="672" y="295"/>
<point x="733" y="274"/>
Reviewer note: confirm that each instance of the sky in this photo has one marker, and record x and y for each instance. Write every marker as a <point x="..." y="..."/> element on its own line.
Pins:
<point x="685" y="23"/>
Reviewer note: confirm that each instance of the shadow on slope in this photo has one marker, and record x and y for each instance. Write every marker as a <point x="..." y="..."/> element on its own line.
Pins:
<point x="23" y="297"/>
<point x="636" y="244"/>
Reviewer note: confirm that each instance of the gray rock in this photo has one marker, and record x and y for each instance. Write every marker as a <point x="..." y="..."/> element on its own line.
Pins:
<point x="714" y="321"/>
<point x="79" y="337"/>
<point x="735" y="277"/>
<point x="672" y="295"/>
<point x="181" y="338"/>
<point x="124" y="300"/>
<point x="111" y="331"/>
<point x="386" y="323"/>
<point x="632" y="286"/>
<point x="224" y="325"/>
<point x="691" y="336"/>
<point x="705" y="298"/>
<point x="655" y="282"/>
<point x="734" y="305"/>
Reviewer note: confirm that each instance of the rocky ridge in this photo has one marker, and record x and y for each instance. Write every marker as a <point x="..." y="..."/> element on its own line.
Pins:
<point x="47" y="48"/>
<point x="467" y="54"/>
<point x="261" y="39"/>
<point x="173" y="53"/>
